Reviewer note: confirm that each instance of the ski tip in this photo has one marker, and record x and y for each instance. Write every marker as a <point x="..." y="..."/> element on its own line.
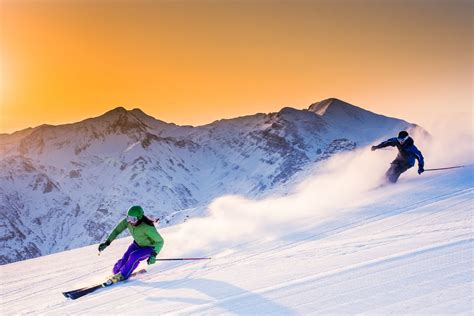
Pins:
<point x="69" y="297"/>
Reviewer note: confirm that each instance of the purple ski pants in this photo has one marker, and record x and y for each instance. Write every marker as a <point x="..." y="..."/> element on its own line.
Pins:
<point x="131" y="258"/>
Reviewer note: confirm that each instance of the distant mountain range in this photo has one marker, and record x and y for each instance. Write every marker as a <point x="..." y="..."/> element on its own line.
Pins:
<point x="66" y="186"/>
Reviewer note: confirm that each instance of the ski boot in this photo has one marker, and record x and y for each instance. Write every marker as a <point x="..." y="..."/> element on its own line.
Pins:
<point x="114" y="279"/>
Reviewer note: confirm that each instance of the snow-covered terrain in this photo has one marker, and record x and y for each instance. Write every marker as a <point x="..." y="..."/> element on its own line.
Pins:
<point x="63" y="187"/>
<point x="336" y="244"/>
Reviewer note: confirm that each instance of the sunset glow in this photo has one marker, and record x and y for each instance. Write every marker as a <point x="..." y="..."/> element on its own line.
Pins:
<point x="192" y="62"/>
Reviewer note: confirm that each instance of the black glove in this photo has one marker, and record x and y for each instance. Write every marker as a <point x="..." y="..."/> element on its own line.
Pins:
<point x="104" y="245"/>
<point x="420" y="170"/>
<point x="152" y="258"/>
<point x="373" y="148"/>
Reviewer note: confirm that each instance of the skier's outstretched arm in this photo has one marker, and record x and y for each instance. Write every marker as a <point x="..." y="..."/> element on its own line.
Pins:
<point x="389" y="142"/>
<point x="117" y="231"/>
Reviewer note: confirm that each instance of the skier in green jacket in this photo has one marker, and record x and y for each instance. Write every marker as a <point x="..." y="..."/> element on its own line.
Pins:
<point x="147" y="243"/>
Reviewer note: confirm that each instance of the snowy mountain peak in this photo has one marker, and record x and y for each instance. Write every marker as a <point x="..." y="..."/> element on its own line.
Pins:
<point x="116" y="111"/>
<point x="333" y="106"/>
<point x="288" y="110"/>
<point x="353" y="119"/>
<point x="122" y="113"/>
<point x="139" y="113"/>
<point x="123" y="121"/>
<point x="113" y="114"/>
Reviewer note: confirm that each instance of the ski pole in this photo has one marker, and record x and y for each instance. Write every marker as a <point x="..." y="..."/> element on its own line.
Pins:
<point x="436" y="169"/>
<point x="183" y="259"/>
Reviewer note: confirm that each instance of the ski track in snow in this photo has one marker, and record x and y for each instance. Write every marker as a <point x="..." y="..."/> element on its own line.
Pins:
<point x="409" y="251"/>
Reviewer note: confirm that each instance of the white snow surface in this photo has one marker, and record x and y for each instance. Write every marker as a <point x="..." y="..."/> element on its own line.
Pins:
<point x="331" y="246"/>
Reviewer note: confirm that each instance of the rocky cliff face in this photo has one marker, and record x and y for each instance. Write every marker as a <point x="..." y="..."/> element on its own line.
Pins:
<point x="63" y="187"/>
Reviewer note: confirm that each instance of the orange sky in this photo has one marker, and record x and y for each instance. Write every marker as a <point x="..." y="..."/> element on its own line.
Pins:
<point x="192" y="62"/>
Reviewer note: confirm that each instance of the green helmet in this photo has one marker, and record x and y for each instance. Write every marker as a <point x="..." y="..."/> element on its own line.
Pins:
<point x="136" y="211"/>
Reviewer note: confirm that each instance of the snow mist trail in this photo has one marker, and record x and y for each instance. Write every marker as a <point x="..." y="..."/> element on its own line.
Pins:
<point x="341" y="185"/>
<point x="451" y="142"/>
<point x="337" y="187"/>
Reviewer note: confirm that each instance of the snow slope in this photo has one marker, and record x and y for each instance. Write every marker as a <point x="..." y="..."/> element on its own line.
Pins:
<point x="338" y="248"/>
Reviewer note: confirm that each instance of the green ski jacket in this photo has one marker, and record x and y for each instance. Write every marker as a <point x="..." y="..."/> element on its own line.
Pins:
<point x="143" y="234"/>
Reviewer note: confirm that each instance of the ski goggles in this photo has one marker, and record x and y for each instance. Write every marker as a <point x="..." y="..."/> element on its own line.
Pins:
<point x="132" y="219"/>
<point x="402" y="140"/>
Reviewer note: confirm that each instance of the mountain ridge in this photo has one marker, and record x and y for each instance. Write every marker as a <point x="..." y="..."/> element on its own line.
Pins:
<point x="83" y="176"/>
<point x="318" y="107"/>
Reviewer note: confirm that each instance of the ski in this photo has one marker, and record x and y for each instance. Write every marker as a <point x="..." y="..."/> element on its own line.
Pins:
<point x="81" y="292"/>
<point x="75" y="294"/>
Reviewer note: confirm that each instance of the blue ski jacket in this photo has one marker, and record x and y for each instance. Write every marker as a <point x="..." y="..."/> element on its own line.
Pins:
<point x="407" y="152"/>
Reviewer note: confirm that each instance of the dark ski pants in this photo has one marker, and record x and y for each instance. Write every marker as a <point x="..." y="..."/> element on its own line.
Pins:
<point x="131" y="258"/>
<point x="397" y="167"/>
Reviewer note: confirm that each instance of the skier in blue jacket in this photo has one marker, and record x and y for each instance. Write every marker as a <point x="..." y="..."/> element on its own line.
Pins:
<point x="407" y="154"/>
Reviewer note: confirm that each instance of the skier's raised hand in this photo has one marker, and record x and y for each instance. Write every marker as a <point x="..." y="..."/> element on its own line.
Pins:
<point x="104" y="245"/>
